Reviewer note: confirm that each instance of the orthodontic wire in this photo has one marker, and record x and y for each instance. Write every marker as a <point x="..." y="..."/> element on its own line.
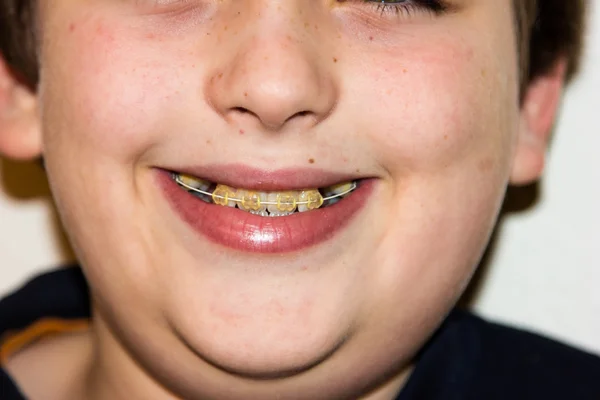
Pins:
<point x="268" y="203"/>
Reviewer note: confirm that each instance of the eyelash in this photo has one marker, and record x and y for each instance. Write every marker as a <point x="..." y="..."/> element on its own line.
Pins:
<point x="384" y="7"/>
<point x="406" y="7"/>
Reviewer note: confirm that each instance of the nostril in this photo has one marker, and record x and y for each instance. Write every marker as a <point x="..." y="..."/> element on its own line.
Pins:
<point x="272" y="120"/>
<point x="242" y="110"/>
<point x="301" y="114"/>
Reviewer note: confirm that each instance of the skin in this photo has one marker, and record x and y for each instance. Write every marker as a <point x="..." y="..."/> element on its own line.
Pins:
<point x="426" y="105"/>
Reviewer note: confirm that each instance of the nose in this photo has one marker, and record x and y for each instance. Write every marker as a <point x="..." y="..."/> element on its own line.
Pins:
<point x="272" y="74"/>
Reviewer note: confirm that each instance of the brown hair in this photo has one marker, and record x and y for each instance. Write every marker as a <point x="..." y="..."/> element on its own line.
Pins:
<point x="547" y="29"/>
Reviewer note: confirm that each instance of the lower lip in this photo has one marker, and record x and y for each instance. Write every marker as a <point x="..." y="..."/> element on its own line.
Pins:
<point x="246" y="232"/>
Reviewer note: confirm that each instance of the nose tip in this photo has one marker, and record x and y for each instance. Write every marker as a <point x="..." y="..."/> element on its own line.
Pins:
<point x="274" y="84"/>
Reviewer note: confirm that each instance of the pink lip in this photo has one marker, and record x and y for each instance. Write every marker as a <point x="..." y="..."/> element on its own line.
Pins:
<point x="246" y="232"/>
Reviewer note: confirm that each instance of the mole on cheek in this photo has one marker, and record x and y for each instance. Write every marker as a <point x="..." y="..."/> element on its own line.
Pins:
<point x="311" y="160"/>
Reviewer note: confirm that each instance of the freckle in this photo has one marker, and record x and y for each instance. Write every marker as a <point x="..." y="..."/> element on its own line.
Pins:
<point x="220" y="75"/>
<point x="245" y="94"/>
<point x="335" y="60"/>
<point x="445" y="137"/>
<point x="404" y="70"/>
<point x="225" y="28"/>
<point x="483" y="73"/>
<point x="209" y="141"/>
<point x="358" y="170"/>
<point x="207" y="33"/>
<point x="311" y="161"/>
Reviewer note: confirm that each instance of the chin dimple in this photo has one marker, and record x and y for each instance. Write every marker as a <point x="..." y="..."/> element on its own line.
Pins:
<point x="266" y="204"/>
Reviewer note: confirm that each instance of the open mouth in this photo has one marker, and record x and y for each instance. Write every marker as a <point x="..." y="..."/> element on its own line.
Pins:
<point x="265" y="204"/>
<point x="272" y="214"/>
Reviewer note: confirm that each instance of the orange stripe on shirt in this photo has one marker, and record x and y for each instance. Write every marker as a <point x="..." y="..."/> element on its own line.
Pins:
<point x="45" y="327"/>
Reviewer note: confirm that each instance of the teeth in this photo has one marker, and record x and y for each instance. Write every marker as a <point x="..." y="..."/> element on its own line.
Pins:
<point x="253" y="202"/>
<point x="223" y="195"/>
<point x="194" y="182"/>
<point x="312" y="200"/>
<point x="338" y="189"/>
<point x="260" y="213"/>
<point x="273" y="204"/>
<point x="283" y="203"/>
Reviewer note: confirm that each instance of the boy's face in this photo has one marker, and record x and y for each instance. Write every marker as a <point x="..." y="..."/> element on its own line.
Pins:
<point x="421" y="109"/>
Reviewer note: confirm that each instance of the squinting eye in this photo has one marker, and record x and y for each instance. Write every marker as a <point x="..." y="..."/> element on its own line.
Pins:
<point x="167" y="6"/>
<point x="407" y="7"/>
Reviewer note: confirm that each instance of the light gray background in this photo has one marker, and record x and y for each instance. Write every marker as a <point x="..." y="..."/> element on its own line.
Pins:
<point x="544" y="271"/>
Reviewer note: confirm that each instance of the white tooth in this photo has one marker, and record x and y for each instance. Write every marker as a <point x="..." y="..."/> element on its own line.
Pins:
<point x="302" y="198"/>
<point x="260" y="213"/>
<point x="338" y="189"/>
<point x="281" y="214"/>
<point x="196" y="183"/>
<point x="240" y="195"/>
<point x="287" y="204"/>
<point x="223" y="192"/>
<point x="312" y="200"/>
<point x="272" y="208"/>
<point x="252" y="201"/>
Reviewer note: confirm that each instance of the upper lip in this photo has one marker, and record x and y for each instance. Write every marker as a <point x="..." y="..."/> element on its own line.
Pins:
<point x="250" y="178"/>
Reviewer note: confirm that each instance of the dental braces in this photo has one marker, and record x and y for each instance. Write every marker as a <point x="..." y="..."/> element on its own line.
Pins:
<point x="285" y="200"/>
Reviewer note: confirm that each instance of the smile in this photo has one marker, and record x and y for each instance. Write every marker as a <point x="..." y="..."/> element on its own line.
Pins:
<point x="273" y="217"/>
<point x="265" y="204"/>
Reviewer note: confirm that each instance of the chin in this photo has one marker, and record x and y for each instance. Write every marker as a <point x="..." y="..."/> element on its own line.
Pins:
<point x="275" y="341"/>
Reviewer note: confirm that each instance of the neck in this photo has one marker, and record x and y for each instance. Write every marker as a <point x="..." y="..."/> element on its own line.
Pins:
<point x="113" y="372"/>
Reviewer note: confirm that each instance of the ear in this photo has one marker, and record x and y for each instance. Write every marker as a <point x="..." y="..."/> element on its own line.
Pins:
<point x="20" y="133"/>
<point x="540" y="106"/>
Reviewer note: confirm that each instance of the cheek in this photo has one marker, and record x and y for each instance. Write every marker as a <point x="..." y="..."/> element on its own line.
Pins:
<point x="107" y="88"/>
<point x="437" y="107"/>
